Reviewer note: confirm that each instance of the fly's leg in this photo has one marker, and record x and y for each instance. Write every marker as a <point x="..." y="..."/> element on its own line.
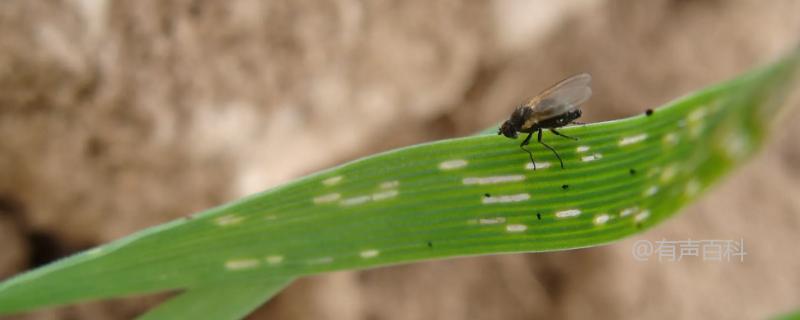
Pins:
<point x="551" y="148"/>
<point x="561" y="134"/>
<point x="525" y="143"/>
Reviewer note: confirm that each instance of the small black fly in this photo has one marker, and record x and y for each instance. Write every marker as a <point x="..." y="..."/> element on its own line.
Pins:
<point x="554" y="108"/>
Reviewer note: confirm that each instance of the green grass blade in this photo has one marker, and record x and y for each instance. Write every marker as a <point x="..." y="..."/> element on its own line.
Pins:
<point x="788" y="316"/>
<point x="449" y="198"/>
<point x="228" y="300"/>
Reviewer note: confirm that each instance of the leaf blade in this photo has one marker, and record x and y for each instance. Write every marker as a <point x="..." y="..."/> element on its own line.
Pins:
<point x="220" y="301"/>
<point x="456" y="197"/>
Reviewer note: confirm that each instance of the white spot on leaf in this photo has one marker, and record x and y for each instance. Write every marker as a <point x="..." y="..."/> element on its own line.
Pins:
<point x="668" y="173"/>
<point x="642" y="215"/>
<point x="492" y="180"/>
<point x="275" y="259"/>
<point x="241" y="264"/>
<point x="736" y="145"/>
<point x="670" y="138"/>
<point x="506" y="198"/>
<point x="384" y="195"/>
<point x="628" y="211"/>
<point x="601" y="219"/>
<point x="697" y="115"/>
<point x="692" y="187"/>
<point x="331" y="197"/>
<point x="453" y="164"/>
<point x="568" y="213"/>
<point x="651" y="191"/>
<point x="539" y="165"/>
<point x="369" y="253"/>
<point x="332" y="180"/>
<point x="355" y="200"/>
<point x="228" y="220"/>
<point x="516" y="227"/>
<point x="633" y="139"/>
<point x="492" y="220"/>
<point x="390" y="184"/>
<point x="593" y="157"/>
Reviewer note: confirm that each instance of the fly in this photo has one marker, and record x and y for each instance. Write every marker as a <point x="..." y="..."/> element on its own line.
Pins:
<point x="554" y="108"/>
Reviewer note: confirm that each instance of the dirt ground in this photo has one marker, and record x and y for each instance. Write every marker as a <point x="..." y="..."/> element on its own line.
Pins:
<point x="118" y="115"/>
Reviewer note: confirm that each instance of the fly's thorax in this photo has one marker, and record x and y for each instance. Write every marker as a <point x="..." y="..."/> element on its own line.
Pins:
<point x="519" y="116"/>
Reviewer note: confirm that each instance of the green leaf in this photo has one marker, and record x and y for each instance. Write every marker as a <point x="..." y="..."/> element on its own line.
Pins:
<point x="789" y="316"/>
<point x="227" y="300"/>
<point x="466" y="196"/>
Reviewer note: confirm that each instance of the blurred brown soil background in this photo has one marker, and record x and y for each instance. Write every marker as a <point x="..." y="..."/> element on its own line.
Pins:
<point x="119" y="115"/>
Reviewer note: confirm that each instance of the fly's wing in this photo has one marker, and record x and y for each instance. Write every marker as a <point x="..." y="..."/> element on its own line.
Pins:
<point x="564" y="96"/>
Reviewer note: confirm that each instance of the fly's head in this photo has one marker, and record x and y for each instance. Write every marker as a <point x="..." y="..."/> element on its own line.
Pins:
<point x="508" y="129"/>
